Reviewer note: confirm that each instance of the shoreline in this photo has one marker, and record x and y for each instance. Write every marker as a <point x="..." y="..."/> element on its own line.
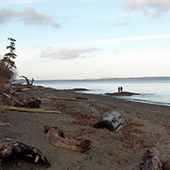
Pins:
<point x="147" y="125"/>
<point x="122" y="95"/>
<point x="148" y="90"/>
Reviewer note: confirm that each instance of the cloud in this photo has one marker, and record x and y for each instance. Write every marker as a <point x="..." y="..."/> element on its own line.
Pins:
<point x="100" y="42"/>
<point x="28" y="16"/>
<point x="65" y="53"/>
<point x="122" y="23"/>
<point x="7" y="14"/>
<point x="151" y="8"/>
<point x="16" y="2"/>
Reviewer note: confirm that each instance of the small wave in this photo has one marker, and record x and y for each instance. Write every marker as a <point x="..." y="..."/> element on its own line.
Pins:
<point x="145" y="101"/>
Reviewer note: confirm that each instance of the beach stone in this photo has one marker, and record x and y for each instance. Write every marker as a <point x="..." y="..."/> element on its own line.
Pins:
<point x="166" y="165"/>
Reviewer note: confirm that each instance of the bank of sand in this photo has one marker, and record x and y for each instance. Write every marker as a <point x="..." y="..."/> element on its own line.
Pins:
<point x="147" y="125"/>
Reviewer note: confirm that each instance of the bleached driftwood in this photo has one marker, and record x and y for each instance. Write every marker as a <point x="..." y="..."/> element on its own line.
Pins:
<point x="70" y="99"/>
<point x="12" y="100"/>
<point x="28" y="89"/>
<point x="21" y="109"/>
<point x="9" y="146"/>
<point x="111" y="120"/>
<point x="60" y="139"/>
<point x="151" y="160"/>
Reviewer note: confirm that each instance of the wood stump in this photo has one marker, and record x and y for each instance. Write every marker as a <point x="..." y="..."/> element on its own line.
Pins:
<point x="151" y="160"/>
<point x="111" y="120"/>
<point x="9" y="146"/>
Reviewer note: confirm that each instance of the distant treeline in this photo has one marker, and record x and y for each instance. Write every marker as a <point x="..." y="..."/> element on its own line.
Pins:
<point x="107" y="79"/>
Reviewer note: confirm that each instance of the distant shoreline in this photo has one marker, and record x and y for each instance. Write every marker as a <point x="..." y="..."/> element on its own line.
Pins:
<point x="101" y="86"/>
<point x="107" y="79"/>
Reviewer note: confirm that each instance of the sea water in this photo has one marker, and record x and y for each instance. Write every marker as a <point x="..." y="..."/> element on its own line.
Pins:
<point x="155" y="91"/>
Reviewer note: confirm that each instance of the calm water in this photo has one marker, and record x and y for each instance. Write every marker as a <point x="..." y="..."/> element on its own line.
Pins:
<point x="151" y="91"/>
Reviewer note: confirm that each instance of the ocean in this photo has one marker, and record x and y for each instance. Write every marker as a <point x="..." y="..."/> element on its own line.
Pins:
<point x="151" y="90"/>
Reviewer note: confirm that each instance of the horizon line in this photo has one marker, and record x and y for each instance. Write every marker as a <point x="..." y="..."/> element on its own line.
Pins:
<point x="111" y="78"/>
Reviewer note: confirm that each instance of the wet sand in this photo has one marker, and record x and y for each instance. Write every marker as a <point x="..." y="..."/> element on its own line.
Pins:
<point x="147" y="125"/>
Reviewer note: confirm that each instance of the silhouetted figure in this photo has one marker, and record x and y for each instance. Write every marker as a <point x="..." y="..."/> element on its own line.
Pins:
<point x="121" y="89"/>
<point x="118" y="89"/>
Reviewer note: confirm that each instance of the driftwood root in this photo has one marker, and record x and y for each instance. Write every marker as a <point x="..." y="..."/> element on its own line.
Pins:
<point x="9" y="147"/>
<point x="60" y="139"/>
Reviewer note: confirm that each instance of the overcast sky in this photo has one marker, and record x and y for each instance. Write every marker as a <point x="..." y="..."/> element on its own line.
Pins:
<point x="79" y="39"/>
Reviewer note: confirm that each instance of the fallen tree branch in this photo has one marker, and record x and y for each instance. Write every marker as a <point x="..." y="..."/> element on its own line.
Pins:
<point x="29" y="83"/>
<point x="32" y="81"/>
<point x="70" y="99"/>
<point x="26" y="79"/>
<point x="23" y="109"/>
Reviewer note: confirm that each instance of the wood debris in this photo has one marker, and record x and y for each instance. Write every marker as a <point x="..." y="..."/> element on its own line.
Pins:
<point x="23" y="109"/>
<point x="4" y="124"/>
<point x="70" y="99"/>
<point x="151" y="160"/>
<point x="9" y="146"/>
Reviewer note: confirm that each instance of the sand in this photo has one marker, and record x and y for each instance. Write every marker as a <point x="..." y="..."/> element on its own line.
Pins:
<point x="147" y="125"/>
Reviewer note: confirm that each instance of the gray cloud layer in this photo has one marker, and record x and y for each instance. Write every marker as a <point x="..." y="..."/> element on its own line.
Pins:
<point x="65" y="53"/>
<point x="28" y="16"/>
<point x="151" y="8"/>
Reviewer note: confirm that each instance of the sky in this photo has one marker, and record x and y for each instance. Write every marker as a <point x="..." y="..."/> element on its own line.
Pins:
<point x="87" y="39"/>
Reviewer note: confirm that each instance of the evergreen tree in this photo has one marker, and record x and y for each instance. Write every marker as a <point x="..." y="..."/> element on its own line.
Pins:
<point x="7" y="64"/>
<point x="9" y="57"/>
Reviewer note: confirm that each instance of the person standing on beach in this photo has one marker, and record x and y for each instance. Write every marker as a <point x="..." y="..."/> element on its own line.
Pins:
<point x="121" y="89"/>
<point x="118" y="89"/>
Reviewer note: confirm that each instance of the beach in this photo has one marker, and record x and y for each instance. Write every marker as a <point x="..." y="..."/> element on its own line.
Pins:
<point x="147" y="125"/>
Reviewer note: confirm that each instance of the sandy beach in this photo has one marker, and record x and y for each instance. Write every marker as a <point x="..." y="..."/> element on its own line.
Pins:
<point x="147" y="125"/>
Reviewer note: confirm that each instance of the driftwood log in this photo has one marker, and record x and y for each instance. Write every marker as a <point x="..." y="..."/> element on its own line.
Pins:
<point x="151" y="160"/>
<point x="23" y="109"/>
<point x="12" y="101"/>
<point x="71" y="99"/>
<point x="9" y="99"/>
<point x="9" y="147"/>
<point x="111" y="120"/>
<point x="60" y="139"/>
